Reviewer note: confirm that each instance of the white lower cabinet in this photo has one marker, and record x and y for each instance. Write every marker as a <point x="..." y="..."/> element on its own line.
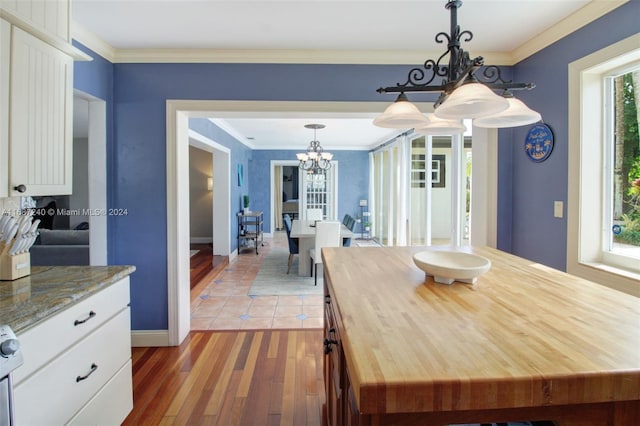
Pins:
<point x="89" y="382"/>
<point x="118" y="392"/>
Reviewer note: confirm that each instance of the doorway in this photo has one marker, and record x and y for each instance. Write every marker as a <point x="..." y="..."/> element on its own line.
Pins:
<point x="178" y="113"/>
<point x="285" y="193"/>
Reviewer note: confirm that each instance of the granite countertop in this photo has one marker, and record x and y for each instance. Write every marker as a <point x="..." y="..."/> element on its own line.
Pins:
<point x="51" y="289"/>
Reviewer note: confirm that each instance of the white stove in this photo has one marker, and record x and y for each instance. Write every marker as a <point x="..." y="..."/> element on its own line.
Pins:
<point x="10" y="359"/>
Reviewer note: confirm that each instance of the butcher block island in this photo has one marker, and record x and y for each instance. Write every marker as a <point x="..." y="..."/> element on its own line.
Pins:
<point x="525" y="342"/>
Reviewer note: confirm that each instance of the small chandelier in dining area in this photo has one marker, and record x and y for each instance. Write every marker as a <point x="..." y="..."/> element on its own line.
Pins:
<point x="463" y="94"/>
<point x="315" y="160"/>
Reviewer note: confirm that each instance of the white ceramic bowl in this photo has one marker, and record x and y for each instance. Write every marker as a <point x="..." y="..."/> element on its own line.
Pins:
<point x="449" y="266"/>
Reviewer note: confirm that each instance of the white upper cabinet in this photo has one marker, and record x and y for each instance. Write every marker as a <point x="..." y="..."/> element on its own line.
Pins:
<point x="36" y="96"/>
<point x="41" y="114"/>
<point x="49" y="16"/>
<point x="5" y="55"/>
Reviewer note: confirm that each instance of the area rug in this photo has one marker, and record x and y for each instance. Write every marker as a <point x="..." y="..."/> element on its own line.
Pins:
<point x="364" y="243"/>
<point x="272" y="279"/>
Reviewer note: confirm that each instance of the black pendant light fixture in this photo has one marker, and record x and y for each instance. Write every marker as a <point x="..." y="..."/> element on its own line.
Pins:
<point x="315" y="160"/>
<point x="463" y="93"/>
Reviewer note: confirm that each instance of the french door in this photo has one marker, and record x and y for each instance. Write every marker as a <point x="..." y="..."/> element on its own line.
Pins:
<point x="422" y="191"/>
<point x="319" y="191"/>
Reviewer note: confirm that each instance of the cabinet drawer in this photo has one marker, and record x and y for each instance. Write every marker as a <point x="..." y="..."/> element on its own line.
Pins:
<point x="57" y="392"/>
<point x="112" y="404"/>
<point x="47" y="340"/>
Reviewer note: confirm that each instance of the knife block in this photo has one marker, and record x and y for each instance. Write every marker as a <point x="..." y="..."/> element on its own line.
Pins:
<point x="14" y="267"/>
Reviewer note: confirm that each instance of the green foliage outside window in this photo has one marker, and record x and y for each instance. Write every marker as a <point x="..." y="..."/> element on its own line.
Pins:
<point x="630" y="167"/>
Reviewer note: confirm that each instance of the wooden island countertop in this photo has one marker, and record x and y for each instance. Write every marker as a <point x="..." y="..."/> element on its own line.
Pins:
<point x="525" y="340"/>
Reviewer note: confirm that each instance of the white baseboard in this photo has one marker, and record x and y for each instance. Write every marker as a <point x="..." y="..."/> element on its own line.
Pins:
<point x="149" y="338"/>
<point x="200" y="240"/>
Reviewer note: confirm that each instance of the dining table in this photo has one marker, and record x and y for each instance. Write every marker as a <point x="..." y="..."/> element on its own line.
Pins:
<point x="305" y="232"/>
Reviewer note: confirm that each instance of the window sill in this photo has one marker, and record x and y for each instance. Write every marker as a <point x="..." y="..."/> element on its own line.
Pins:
<point x="615" y="270"/>
<point x="610" y="276"/>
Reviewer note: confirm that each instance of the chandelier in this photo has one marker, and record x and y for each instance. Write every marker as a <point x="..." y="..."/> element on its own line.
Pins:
<point x="315" y="160"/>
<point x="463" y="93"/>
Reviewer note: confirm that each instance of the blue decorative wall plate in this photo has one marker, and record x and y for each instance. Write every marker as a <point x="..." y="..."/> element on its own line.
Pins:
<point x="539" y="143"/>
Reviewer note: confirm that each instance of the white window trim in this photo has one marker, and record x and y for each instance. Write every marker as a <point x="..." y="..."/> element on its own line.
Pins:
<point x="585" y="188"/>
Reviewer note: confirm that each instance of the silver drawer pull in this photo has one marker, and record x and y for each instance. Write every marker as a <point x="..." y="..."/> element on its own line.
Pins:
<point x="91" y="315"/>
<point x="94" y="367"/>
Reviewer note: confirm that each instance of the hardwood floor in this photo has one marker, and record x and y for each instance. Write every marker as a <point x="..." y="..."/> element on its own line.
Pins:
<point x="267" y="377"/>
<point x="204" y="262"/>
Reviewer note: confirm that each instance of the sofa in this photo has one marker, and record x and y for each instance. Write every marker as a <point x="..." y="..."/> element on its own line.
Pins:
<point x="60" y="247"/>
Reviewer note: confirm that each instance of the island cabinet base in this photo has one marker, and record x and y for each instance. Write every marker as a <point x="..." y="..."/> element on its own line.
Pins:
<point x="341" y="407"/>
<point x="605" y="414"/>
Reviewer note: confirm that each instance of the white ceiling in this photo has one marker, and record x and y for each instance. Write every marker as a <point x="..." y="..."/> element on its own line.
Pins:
<point x="499" y="27"/>
<point x="315" y="24"/>
<point x="339" y="133"/>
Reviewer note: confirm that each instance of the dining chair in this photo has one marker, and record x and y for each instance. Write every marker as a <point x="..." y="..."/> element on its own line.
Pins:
<point x="327" y="235"/>
<point x="314" y="214"/>
<point x="349" y="222"/>
<point x="293" y="242"/>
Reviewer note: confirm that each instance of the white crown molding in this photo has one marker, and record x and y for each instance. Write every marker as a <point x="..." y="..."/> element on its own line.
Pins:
<point x="575" y="21"/>
<point x="92" y="41"/>
<point x="373" y="57"/>
<point x="580" y="18"/>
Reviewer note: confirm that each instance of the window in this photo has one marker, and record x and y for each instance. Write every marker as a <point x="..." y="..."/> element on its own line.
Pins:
<point x="418" y="167"/>
<point x="418" y="197"/>
<point x="597" y="201"/>
<point x="622" y="167"/>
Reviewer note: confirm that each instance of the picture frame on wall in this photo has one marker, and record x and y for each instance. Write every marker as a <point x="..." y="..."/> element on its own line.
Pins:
<point x="240" y="174"/>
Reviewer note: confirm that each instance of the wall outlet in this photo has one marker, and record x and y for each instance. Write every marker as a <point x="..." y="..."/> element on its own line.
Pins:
<point x="558" y="209"/>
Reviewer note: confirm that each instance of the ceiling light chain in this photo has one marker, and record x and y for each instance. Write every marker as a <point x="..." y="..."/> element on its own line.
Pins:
<point x="476" y="100"/>
<point x="315" y="160"/>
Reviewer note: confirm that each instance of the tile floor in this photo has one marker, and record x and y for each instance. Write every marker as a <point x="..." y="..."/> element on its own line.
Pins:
<point x="225" y="305"/>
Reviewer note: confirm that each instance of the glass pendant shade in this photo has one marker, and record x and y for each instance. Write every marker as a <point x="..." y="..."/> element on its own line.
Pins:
<point x="471" y="100"/>
<point x="326" y="156"/>
<point x="441" y="127"/>
<point x="518" y="114"/>
<point x="401" y="114"/>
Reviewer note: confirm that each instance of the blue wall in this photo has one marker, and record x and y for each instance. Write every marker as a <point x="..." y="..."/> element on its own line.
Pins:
<point x="136" y="96"/>
<point x="138" y="151"/>
<point x="527" y="191"/>
<point x="140" y="94"/>
<point x="353" y="180"/>
<point x="353" y="176"/>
